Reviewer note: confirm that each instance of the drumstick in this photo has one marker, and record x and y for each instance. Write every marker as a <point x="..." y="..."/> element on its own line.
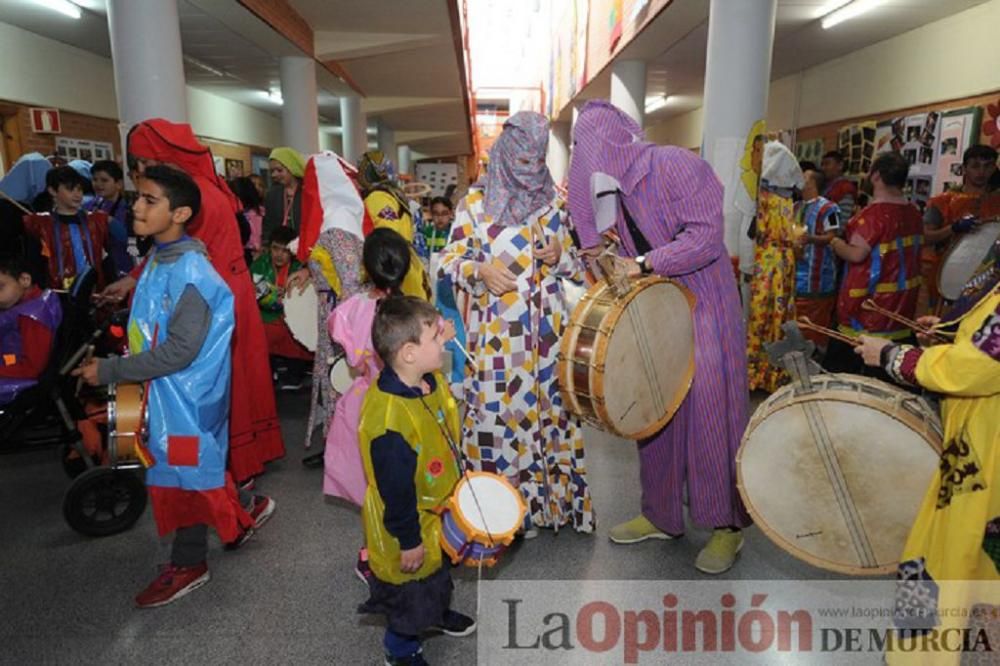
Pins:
<point x="872" y="306"/>
<point x="86" y="359"/>
<point x="805" y="322"/>
<point x="465" y="353"/>
<point x="15" y="202"/>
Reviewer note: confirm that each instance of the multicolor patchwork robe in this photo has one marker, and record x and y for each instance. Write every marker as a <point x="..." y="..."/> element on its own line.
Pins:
<point x="515" y="424"/>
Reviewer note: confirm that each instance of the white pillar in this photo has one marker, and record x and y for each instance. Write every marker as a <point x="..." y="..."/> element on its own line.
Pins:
<point x="557" y="158"/>
<point x="404" y="159"/>
<point x="628" y="88"/>
<point x="299" y="110"/>
<point x="738" y="72"/>
<point x="146" y="57"/>
<point x="354" y="131"/>
<point x="387" y="141"/>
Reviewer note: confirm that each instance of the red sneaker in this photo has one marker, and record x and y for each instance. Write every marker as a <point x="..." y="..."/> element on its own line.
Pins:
<point x="262" y="509"/>
<point x="172" y="584"/>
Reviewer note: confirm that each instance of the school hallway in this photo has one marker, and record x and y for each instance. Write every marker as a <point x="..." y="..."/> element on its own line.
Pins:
<point x="289" y="596"/>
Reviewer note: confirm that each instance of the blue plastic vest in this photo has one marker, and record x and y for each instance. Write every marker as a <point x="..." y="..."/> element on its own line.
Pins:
<point x="188" y="413"/>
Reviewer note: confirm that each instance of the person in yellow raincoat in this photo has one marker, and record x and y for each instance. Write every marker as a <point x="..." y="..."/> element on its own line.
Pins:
<point x="407" y="434"/>
<point x="387" y="206"/>
<point x="772" y="285"/>
<point x="952" y="557"/>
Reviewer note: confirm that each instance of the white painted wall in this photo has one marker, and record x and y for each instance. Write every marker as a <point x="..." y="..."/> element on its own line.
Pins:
<point x="955" y="57"/>
<point x="50" y="73"/>
<point x="219" y="118"/>
<point x="44" y="72"/>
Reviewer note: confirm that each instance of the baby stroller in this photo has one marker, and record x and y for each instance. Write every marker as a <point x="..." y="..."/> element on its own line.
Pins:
<point x="107" y="494"/>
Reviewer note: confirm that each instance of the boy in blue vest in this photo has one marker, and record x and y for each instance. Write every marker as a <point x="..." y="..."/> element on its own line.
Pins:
<point x="179" y="334"/>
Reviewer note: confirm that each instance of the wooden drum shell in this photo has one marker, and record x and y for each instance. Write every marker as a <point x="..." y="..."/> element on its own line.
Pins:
<point x="588" y="386"/>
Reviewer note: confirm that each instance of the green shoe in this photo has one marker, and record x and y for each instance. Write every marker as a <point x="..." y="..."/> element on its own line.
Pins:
<point x="719" y="554"/>
<point x="636" y="530"/>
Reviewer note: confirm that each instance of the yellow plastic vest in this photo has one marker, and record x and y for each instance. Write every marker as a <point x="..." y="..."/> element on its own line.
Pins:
<point x="435" y="478"/>
<point x="416" y="282"/>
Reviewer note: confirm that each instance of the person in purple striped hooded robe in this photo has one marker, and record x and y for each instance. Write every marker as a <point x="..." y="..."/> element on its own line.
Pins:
<point x="675" y="201"/>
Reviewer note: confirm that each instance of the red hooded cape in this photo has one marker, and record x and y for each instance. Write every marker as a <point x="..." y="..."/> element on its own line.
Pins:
<point x="254" y="432"/>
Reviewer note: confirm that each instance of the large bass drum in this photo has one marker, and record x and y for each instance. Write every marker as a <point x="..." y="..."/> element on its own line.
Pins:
<point x="965" y="256"/>
<point x="626" y="362"/>
<point x="835" y="475"/>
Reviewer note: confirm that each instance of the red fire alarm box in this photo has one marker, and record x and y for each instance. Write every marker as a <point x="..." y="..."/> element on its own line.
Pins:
<point x="45" y="121"/>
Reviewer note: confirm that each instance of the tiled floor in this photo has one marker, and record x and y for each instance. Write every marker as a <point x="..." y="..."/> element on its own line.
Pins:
<point x="289" y="596"/>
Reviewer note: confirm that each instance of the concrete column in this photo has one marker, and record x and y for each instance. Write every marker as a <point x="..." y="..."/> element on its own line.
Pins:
<point x="557" y="158"/>
<point x="738" y="72"/>
<point x="299" y="110"/>
<point x="404" y="160"/>
<point x="628" y="88"/>
<point x="146" y="57"/>
<point x="387" y="141"/>
<point x="354" y="130"/>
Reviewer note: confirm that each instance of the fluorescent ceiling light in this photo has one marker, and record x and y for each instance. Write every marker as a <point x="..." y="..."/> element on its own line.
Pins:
<point x="849" y="11"/>
<point x="657" y="102"/>
<point x="273" y="95"/>
<point x="64" y="7"/>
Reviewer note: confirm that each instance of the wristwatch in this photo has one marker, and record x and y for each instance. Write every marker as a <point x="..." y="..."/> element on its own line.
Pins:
<point x="644" y="268"/>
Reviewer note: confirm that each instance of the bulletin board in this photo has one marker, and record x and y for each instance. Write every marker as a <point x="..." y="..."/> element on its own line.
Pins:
<point x="439" y="175"/>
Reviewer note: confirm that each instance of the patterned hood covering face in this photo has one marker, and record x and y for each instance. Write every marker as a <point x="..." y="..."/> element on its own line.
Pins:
<point x="375" y="172"/>
<point x="518" y="182"/>
<point x="605" y="140"/>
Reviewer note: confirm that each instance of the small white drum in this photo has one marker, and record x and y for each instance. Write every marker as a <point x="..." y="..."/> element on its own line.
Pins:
<point x="302" y="316"/>
<point x="481" y="518"/>
<point x="340" y="375"/>
<point x="964" y="257"/>
<point x="835" y="476"/>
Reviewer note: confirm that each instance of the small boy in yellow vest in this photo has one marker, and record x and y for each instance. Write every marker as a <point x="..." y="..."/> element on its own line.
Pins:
<point x="406" y="420"/>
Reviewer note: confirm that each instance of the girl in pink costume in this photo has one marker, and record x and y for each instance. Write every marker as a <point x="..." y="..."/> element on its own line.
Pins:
<point x="386" y="259"/>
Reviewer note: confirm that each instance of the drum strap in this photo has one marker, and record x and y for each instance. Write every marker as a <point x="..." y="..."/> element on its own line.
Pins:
<point x="642" y="245"/>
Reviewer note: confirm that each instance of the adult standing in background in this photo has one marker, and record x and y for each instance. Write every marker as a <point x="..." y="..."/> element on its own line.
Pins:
<point x="388" y="206"/>
<point x="958" y="211"/>
<point x="839" y="189"/>
<point x="817" y="266"/>
<point x="283" y="203"/>
<point x="772" y="284"/>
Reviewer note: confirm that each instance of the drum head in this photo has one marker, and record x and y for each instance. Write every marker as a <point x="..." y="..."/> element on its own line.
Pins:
<point x="340" y="375"/>
<point x="499" y="510"/>
<point x="649" y="360"/>
<point x="302" y="317"/>
<point x="835" y="482"/>
<point x="964" y="257"/>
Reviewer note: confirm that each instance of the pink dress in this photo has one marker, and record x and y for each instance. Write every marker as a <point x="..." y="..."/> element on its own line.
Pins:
<point x="350" y="326"/>
<point x="255" y="216"/>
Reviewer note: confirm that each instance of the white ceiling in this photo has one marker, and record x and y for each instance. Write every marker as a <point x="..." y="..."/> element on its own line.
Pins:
<point x="674" y="44"/>
<point x="400" y="53"/>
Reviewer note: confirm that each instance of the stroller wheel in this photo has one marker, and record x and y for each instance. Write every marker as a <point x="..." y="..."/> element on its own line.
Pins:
<point x="104" y="501"/>
<point x="71" y="461"/>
